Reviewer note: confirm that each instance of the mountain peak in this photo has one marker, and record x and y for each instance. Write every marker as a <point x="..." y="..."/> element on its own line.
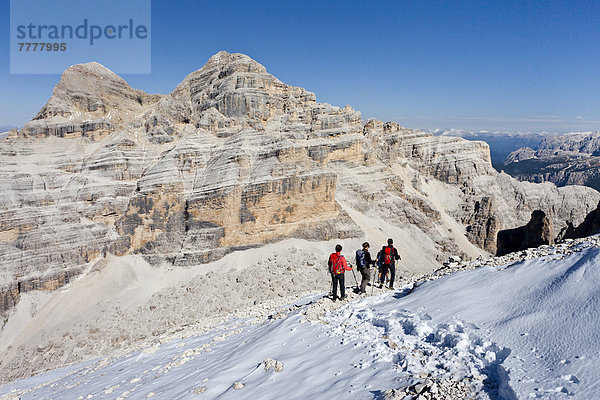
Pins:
<point x="237" y="86"/>
<point x="87" y="91"/>
<point x="220" y="66"/>
<point x="241" y="62"/>
<point x="89" y="75"/>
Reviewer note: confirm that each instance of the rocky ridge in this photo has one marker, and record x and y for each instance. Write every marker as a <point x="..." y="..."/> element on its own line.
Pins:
<point x="233" y="158"/>
<point x="424" y="386"/>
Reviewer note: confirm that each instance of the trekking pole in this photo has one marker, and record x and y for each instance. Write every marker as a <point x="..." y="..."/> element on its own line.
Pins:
<point x="373" y="283"/>
<point x="357" y="287"/>
<point x="331" y="291"/>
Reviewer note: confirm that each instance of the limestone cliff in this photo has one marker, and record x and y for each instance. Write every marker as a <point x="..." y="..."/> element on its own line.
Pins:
<point x="234" y="158"/>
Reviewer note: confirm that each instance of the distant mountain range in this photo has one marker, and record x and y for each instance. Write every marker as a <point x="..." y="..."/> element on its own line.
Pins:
<point x="501" y="143"/>
<point x="564" y="159"/>
<point x="569" y="159"/>
<point x="4" y="130"/>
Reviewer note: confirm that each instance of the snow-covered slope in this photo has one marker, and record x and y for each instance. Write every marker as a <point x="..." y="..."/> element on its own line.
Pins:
<point x="526" y="329"/>
<point x="545" y="312"/>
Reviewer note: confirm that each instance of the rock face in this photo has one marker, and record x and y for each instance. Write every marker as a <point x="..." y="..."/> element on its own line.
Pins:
<point x="483" y="224"/>
<point x="589" y="226"/>
<point x="537" y="232"/>
<point x="571" y="159"/>
<point x="234" y="158"/>
<point x="11" y="293"/>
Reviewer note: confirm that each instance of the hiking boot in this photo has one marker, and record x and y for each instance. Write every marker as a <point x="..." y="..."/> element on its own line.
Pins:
<point x="343" y="297"/>
<point x="391" y="288"/>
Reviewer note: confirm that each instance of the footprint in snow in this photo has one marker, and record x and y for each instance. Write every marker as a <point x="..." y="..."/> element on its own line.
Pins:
<point x="425" y="317"/>
<point x="571" y="378"/>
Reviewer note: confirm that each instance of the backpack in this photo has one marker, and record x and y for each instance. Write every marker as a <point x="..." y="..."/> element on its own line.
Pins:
<point x="360" y="259"/>
<point x="336" y="265"/>
<point x="380" y="258"/>
<point x="388" y="255"/>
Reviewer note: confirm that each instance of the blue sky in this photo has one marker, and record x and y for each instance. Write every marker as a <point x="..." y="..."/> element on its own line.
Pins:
<point x="498" y="65"/>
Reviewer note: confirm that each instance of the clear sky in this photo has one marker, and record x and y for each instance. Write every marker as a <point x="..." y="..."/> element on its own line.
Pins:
<point x="497" y="65"/>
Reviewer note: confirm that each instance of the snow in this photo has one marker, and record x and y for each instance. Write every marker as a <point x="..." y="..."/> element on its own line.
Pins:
<point x="520" y="330"/>
<point x="545" y="311"/>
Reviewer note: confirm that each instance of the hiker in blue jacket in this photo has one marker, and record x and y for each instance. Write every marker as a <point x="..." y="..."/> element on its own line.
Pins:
<point x="363" y="263"/>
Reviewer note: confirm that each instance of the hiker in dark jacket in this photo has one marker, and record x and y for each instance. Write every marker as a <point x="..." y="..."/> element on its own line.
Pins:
<point x="378" y="262"/>
<point x="337" y="266"/>
<point x="388" y="258"/>
<point x="363" y="263"/>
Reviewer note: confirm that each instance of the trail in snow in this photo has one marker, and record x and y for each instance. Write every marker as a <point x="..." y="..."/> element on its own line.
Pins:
<point x="519" y="330"/>
<point x="546" y="311"/>
<point x="356" y="353"/>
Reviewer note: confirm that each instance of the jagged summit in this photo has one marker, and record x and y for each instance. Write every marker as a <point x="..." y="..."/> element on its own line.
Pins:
<point x="227" y="63"/>
<point x="218" y="67"/>
<point x="229" y="93"/>
<point x="89" y="100"/>
<point x="90" y="69"/>
<point x="233" y="90"/>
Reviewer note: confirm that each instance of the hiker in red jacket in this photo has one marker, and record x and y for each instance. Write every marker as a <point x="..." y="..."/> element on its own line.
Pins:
<point x="337" y="266"/>
<point x="388" y="257"/>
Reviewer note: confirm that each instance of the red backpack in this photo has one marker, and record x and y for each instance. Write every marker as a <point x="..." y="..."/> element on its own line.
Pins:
<point x="336" y="264"/>
<point x="388" y="255"/>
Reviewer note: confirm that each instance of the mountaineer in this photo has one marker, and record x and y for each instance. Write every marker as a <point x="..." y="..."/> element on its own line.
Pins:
<point x="387" y="258"/>
<point x="363" y="264"/>
<point x="337" y="266"/>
